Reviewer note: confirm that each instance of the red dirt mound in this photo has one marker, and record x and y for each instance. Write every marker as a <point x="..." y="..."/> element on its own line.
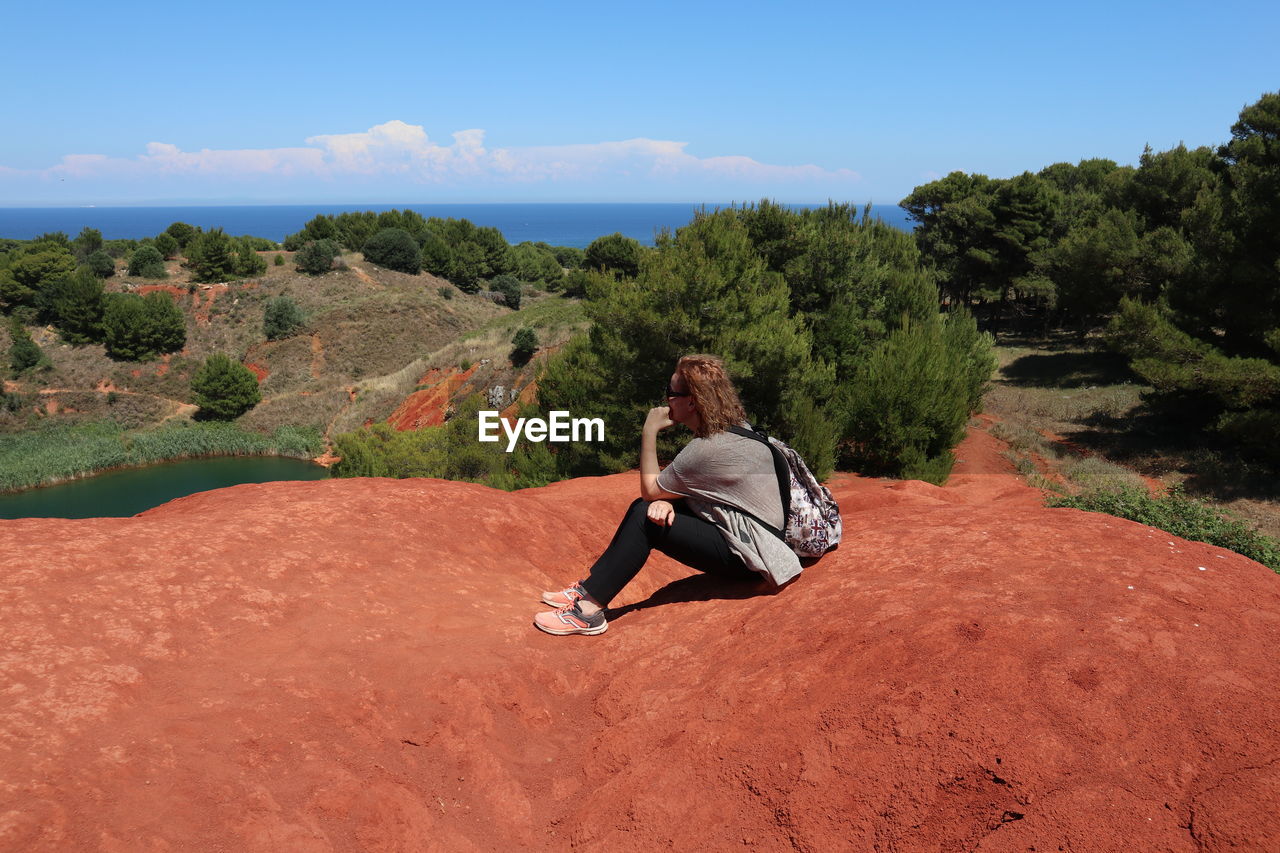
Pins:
<point x="349" y="665"/>
<point x="428" y="406"/>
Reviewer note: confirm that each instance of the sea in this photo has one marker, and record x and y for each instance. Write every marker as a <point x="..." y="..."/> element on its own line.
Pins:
<point x="557" y="224"/>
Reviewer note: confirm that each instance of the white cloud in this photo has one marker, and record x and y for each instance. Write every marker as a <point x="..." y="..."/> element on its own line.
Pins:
<point x="404" y="152"/>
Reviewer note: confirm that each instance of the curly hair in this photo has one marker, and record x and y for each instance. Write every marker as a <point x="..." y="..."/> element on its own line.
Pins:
<point x="712" y="392"/>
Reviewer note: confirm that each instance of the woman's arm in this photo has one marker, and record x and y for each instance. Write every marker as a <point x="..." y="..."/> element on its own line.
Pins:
<point x="657" y="420"/>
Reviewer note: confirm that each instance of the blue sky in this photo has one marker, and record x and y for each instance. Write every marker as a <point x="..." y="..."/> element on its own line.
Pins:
<point x="699" y="102"/>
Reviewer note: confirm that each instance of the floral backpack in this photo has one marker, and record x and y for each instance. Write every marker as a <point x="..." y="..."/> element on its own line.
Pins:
<point x="813" y="518"/>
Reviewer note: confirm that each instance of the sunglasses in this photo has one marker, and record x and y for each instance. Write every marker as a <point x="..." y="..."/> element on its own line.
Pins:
<point x="670" y="393"/>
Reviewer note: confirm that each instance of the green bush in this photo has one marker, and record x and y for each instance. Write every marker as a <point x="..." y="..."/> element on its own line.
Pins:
<point x="136" y="328"/>
<point x="445" y="291"/>
<point x="509" y="287"/>
<point x="147" y="262"/>
<point x="913" y="395"/>
<point x="224" y="389"/>
<point x="437" y="257"/>
<point x="316" y="257"/>
<point x="167" y="245"/>
<point x="76" y="304"/>
<point x="568" y="257"/>
<point x="281" y="318"/>
<point x="248" y="262"/>
<point x="101" y="264"/>
<point x="88" y="241"/>
<point x="24" y="353"/>
<point x="182" y="232"/>
<point x="1181" y="515"/>
<point x="31" y="272"/>
<point x="394" y="249"/>
<point x="448" y="452"/>
<point x="524" y="345"/>
<point x="279" y="260"/>
<point x="532" y="263"/>
<point x="467" y="266"/>
<point x="212" y="256"/>
<point x="615" y="253"/>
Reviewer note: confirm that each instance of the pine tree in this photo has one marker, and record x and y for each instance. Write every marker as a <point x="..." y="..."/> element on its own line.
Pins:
<point x="78" y="307"/>
<point x="224" y="389"/>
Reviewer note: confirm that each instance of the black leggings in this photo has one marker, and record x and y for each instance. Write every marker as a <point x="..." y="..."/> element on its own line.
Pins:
<point x="697" y="543"/>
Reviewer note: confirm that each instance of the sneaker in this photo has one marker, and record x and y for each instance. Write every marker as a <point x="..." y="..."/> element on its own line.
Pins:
<point x="570" y="620"/>
<point x="565" y="597"/>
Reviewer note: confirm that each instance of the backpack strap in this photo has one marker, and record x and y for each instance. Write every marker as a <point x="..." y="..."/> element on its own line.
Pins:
<point x="780" y="469"/>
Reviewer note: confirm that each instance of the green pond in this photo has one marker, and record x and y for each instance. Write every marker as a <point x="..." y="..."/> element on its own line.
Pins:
<point x="129" y="491"/>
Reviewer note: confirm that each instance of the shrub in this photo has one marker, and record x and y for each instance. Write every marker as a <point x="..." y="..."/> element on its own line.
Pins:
<point x="509" y="287"/>
<point x="394" y="249"/>
<point x="575" y="284"/>
<point x="445" y="291"/>
<point x="76" y="304"/>
<point x="167" y="245"/>
<point x="525" y="344"/>
<point x="212" y="256"/>
<point x="281" y="318"/>
<point x="568" y="257"/>
<point x="101" y="264"/>
<point x="437" y="257"/>
<point x="32" y="270"/>
<point x="147" y="262"/>
<point x="136" y="328"/>
<point x="248" y="262"/>
<point x="467" y="266"/>
<point x="224" y="389"/>
<point x="279" y="260"/>
<point x="316" y="257"/>
<point x="182" y="232"/>
<point x="24" y="353"/>
<point x="449" y="451"/>
<point x="911" y="398"/>
<point x="615" y="253"/>
<point x="532" y="263"/>
<point x="1181" y="515"/>
<point x="87" y="242"/>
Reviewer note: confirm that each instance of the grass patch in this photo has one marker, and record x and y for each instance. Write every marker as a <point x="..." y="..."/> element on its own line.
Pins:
<point x="66" y="451"/>
<point x="1181" y="515"/>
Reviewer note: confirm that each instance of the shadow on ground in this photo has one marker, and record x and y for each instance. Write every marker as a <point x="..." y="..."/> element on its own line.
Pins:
<point x="1068" y="370"/>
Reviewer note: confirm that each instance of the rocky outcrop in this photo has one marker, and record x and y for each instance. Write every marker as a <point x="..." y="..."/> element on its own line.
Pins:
<point x="349" y="665"/>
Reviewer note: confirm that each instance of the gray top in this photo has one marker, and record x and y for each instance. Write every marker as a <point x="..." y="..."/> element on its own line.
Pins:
<point x="724" y="471"/>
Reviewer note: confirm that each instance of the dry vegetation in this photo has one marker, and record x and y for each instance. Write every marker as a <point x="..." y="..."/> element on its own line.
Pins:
<point x="1074" y="417"/>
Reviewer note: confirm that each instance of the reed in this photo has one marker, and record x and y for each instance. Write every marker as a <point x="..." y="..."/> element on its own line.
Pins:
<point x="66" y="452"/>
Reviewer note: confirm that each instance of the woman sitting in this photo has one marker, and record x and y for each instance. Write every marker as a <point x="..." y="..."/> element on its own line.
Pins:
<point x="690" y="510"/>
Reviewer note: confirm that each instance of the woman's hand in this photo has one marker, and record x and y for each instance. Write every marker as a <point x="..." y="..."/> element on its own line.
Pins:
<point x="659" y="418"/>
<point x="662" y="512"/>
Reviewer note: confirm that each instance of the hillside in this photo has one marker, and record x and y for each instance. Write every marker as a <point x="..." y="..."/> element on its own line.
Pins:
<point x="349" y="665"/>
<point x="371" y="338"/>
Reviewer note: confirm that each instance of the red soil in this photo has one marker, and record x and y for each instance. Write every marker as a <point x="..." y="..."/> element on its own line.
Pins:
<point x="202" y="298"/>
<point x="259" y="371"/>
<point x="317" y="357"/>
<point x="349" y="665"/>
<point x="428" y="406"/>
<point x="178" y="293"/>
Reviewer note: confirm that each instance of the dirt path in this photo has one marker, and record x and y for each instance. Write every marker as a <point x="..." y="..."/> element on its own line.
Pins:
<point x="362" y="275"/>
<point x="317" y="357"/>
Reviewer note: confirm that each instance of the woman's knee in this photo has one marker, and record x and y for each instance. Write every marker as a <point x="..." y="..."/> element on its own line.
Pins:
<point x="638" y="515"/>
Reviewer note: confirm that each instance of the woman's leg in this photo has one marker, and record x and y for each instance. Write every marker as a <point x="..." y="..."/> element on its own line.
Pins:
<point x="697" y="543"/>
